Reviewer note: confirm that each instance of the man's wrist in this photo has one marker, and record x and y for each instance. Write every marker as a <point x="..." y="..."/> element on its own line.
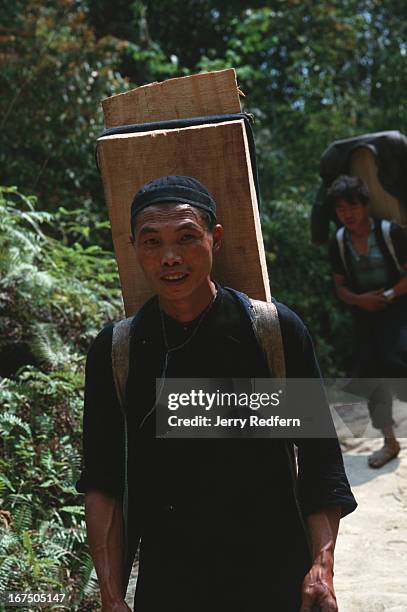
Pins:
<point x="389" y="294"/>
<point x="325" y="560"/>
<point x="110" y="593"/>
<point x="109" y="601"/>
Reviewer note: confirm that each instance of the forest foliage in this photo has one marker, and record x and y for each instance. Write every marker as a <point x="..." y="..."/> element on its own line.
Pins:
<point x="312" y="72"/>
<point x="54" y="297"/>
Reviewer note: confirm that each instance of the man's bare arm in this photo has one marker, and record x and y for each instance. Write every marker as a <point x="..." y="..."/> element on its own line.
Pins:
<point x="105" y="537"/>
<point x="371" y="300"/>
<point x="318" y="587"/>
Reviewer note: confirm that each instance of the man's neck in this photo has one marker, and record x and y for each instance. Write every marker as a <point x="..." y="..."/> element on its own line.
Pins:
<point x="362" y="230"/>
<point x="188" y="309"/>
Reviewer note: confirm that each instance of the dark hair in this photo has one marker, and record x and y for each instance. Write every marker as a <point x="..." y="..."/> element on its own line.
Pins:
<point x="208" y="219"/>
<point x="348" y="188"/>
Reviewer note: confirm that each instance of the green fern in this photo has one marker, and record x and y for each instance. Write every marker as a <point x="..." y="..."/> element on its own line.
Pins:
<point x="9" y="421"/>
<point x="8" y="573"/>
<point x="87" y="583"/>
<point x="47" y="346"/>
<point x="58" y="295"/>
<point x="22" y="519"/>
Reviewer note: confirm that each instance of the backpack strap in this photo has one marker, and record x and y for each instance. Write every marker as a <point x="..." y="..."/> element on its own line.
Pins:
<point x="386" y="227"/>
<point x="268" y="334"/>
<point x="340" y="235"/>
<point x="120" y="368"/>
<point x="266" y="327"/>
<point x="120" y="357"/>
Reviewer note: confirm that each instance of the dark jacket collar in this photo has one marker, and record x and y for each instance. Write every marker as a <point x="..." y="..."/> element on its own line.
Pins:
<point x="146" y="325"/>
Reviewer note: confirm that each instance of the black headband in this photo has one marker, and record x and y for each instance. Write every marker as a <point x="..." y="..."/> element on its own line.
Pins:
<point x="180" y="189"/>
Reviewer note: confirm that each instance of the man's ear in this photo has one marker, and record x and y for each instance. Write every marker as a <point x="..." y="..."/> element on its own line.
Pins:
<point x="217" y="236"/>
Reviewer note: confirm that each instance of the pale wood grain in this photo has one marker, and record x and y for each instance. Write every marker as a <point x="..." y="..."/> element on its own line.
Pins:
<point x="218" y="156"/>
<point x="208" y="93"/>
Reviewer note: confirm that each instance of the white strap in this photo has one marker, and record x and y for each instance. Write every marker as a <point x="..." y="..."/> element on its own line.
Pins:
<point x="340" y="238"/>
<point x="386" y="226"/>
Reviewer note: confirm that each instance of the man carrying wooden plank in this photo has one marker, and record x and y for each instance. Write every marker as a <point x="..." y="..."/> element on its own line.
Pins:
<point x="221" y="521"/>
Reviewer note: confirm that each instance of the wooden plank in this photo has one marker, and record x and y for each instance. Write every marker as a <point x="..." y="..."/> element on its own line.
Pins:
<point x="218" y="156"/>
<point x="208" y="93"/>
<point x="382" y="204"/>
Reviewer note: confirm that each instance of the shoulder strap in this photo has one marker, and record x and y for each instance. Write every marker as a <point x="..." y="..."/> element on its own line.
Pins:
<point x="120" y="356"/>
<point x="268" y="333"/>
<point x="340" y="235"/>
<point x="120" y="369"/>
<point x="386" y="227"/>
<point x="267" y="329"/>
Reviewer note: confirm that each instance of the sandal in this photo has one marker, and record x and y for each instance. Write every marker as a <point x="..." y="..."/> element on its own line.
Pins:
<point x="382" y="456"/>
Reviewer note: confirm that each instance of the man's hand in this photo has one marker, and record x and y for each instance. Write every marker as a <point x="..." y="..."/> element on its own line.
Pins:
<point x="318" y="590"/>
<point x="372" y="301"/>
<point x="119" y="606"/>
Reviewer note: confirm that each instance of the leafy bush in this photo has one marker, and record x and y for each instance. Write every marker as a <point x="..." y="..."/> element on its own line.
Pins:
<point x="53" y="299"/>
<point x="54" y="296"/>
<point x="42" y="538"/>
<point x="55" y="74"/>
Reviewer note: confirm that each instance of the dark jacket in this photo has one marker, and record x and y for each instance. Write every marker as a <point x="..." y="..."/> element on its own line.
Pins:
<point x="200" y="477"/>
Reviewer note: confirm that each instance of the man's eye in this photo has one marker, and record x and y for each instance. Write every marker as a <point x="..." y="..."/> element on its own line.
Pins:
<point x="187" y="237"/>
<point x="151" y="242"/>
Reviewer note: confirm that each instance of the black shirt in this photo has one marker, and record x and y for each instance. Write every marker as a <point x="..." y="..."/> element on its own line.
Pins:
<point x="215" y="501"/>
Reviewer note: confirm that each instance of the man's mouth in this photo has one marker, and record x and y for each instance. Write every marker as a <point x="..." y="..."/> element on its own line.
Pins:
<point x="174" y="278"/>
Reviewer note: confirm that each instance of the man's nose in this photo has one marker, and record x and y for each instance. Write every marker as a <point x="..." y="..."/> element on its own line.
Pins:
<point x="171" y="257"/>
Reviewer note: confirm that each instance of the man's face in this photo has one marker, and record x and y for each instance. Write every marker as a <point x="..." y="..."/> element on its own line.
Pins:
<point x="352" y="215"/>
<point x="175" y="249"/>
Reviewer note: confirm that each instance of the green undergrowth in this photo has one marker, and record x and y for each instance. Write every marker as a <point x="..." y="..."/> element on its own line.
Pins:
<point x="56" y="292"/>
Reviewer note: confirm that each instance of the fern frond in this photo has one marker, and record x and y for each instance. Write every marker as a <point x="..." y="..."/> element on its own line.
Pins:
<point x="66" y="540"/>
<point x="8" y="573"/>
<point x="47" y="346"/>
<point x="87" y="582"/>
<point x="7" y="539"/>
<point x="22" y="518"/>
<point x="8" y="421"/>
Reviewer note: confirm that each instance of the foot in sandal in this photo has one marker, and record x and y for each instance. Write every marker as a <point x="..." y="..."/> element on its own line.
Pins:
<point x="389" y="451"/>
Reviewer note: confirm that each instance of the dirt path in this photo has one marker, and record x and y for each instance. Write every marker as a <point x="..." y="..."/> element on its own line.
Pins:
<point x="371" y="554"/>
